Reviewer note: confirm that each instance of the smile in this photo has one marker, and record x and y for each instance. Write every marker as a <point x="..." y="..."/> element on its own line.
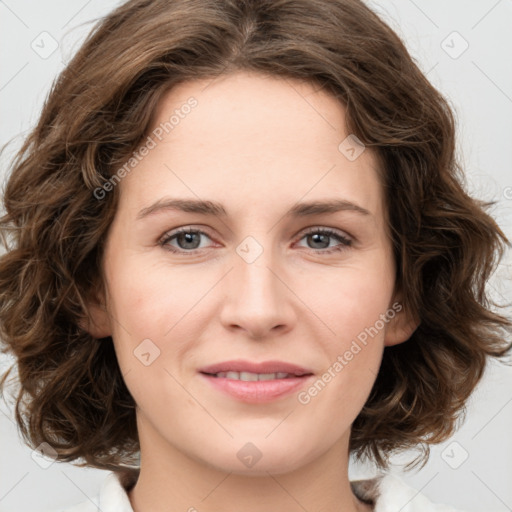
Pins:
<point x="252" y="377"/>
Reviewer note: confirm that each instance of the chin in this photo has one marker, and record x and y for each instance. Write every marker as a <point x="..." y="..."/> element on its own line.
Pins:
<point x="260" y="457"/>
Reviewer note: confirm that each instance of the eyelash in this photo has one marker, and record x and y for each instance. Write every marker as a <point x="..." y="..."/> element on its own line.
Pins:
<point x="344" y="241"/>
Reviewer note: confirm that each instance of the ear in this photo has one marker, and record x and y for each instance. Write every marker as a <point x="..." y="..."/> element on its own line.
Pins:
<point x="401" y="327"/>
<point x="96" y="320"/>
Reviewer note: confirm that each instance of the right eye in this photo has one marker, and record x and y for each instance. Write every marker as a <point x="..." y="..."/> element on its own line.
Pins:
<point x="188" y="240"/>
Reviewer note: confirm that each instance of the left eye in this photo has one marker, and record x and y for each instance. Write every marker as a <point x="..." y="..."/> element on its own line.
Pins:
<point x="189" y="240"/>
<point x="321" y="236"/>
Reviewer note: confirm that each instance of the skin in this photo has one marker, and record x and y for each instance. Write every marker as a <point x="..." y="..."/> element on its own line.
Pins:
<point x="258" y="145"/>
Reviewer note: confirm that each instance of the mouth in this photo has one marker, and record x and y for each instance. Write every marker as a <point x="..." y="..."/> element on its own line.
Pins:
<point x="248" y="369"/>
<point x="256" y="382"/>
<point x="253" y="377"/>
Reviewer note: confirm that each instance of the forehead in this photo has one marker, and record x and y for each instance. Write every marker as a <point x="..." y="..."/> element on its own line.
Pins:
<point x="252" y="137"/>
<point x="256" y="111"/>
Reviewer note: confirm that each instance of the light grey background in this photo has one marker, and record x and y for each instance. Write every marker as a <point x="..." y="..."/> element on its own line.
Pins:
<point x="478" y="83"/>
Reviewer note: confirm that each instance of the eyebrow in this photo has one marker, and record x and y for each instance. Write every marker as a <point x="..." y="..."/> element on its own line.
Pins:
<point x="216" y="209"/>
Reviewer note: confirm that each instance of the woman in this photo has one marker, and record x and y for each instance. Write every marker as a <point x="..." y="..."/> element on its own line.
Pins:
<point x="239" y="251"/>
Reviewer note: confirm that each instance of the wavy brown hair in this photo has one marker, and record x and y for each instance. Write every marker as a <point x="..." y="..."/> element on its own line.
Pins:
<point x="446" y="246"/>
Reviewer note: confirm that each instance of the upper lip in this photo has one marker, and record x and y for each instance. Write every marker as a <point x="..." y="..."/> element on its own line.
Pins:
<point x="239" y="365"/>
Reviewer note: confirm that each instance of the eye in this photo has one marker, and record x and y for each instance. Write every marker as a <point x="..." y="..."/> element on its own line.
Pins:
<point x="319" y="237"/>
<point x="188" y="240"/>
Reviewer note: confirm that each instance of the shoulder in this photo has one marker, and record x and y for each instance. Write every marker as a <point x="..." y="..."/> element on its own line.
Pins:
<point x="111" y="497"/>
<point x="389" y="492"/>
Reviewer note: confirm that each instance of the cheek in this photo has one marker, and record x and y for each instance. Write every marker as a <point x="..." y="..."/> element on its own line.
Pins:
<point x="351" y="299"/>
<point x="352" y="306"/>
<point x="144" y="308"/>
<point x="149" y="297"/>
<point x="353" y="355"/>
<point x="153" y="312"/>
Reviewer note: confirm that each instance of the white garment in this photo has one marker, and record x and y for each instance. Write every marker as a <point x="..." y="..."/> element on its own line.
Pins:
<point x="389" y="492"/>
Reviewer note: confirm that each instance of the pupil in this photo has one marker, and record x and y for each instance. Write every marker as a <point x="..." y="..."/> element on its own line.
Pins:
<point x="317" y="236"/>
<point x="187" y="237"/>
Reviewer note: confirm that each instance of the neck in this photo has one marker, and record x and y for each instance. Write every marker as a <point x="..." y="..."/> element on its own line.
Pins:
<point x="170" y="480"/>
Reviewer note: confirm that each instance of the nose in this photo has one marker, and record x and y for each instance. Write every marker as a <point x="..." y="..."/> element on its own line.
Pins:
<point x="257" y="299"/>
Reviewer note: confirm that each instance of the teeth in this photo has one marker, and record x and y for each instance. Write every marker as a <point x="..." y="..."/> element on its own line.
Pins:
<point x="248" y="376"/>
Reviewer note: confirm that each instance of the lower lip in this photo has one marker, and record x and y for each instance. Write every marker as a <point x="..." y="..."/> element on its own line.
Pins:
<point x="259" y="391"/>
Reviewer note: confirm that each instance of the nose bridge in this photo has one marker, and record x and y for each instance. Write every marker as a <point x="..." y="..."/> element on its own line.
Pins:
<point x="257" y="283"/>
<point x="256" y="299"/>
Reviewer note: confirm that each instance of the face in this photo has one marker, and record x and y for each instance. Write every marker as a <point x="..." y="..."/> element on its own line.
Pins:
<point x="259" y="278"/>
